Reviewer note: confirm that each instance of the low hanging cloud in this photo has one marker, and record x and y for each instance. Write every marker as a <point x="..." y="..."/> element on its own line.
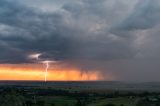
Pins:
<point x="107" y="35"/>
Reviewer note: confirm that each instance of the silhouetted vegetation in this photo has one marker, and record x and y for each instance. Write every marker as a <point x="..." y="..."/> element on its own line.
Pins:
<point x="38" y="96"/>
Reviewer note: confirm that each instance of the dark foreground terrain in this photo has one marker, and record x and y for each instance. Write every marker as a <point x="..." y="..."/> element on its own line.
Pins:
<point x="100" y="93"/>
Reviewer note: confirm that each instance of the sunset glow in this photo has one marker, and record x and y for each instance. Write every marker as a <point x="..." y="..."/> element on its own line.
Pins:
<point x="25" y="72"/>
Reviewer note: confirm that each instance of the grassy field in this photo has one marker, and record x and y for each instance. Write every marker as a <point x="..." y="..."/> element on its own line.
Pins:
<point x="117" y="101"/>
<point x="58" y="100"/>
<point x="61" y="101"/>
<point x="71" y="95"/>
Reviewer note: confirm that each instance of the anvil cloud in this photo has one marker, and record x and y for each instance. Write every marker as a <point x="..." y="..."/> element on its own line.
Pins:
<point x="120" y="37"/>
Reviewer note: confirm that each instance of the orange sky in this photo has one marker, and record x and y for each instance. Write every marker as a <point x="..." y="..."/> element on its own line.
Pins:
<point x="55" y="73"/>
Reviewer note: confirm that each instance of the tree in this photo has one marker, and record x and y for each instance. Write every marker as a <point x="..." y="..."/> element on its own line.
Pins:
<point x="121" y="104"/>
<point x="78" y="103"/>
<point x="29" y="103"/>
<point x="12" y="99"/>
<point x="65" y="104"/>
<point x="40" y="103"/>
<point x="110" y="104"/>
<point x="53" y="104"/>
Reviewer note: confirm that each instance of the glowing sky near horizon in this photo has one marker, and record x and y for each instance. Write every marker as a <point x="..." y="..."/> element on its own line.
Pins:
<point x="56" y="73"/>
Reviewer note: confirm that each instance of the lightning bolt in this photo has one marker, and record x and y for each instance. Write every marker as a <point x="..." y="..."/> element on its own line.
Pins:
<point x="46" y="70"/>
<point x="46" y="63"/>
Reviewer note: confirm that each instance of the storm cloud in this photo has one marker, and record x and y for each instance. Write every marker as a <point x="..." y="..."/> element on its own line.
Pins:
<point x="113" y="36"/>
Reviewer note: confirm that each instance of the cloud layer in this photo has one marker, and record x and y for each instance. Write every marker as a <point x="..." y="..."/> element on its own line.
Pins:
<point x="108" y="35"/>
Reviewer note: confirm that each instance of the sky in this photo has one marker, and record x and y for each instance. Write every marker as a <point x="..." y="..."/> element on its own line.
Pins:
<point x="83" y="40"/>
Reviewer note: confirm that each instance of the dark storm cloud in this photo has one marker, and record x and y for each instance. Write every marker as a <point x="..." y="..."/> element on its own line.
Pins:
<point x="144" y="16"/>
<point x="60" y="33"/>
<point x="24" y="31"/>
<point x="87" y="33"/>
